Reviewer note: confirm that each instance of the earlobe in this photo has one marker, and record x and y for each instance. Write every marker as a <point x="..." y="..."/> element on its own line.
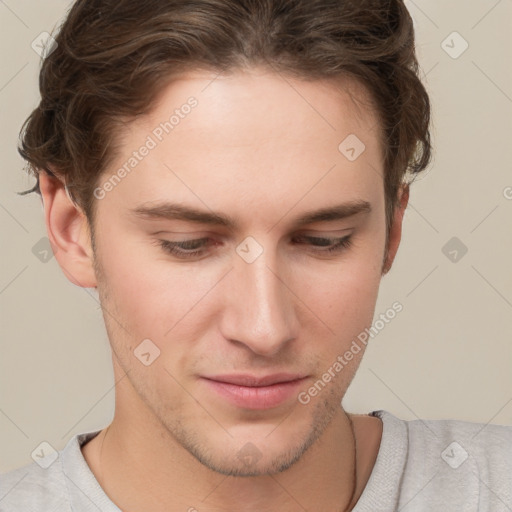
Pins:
<point x="68" y="232"/>
<point x="395" y="233"/>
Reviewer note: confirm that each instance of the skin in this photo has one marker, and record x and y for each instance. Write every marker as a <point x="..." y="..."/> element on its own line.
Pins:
<point x="263" y="149"/>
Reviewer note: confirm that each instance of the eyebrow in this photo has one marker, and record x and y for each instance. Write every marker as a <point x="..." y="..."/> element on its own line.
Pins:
<point x="170" y="211"/>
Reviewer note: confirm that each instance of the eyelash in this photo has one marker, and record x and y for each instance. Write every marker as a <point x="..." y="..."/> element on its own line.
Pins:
<point x="179" y="249"/>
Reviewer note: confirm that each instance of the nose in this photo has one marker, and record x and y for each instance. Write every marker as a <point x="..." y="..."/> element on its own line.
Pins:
<point x="259" y="310"/>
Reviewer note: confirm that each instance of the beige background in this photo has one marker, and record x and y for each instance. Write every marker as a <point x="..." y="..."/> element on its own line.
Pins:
<point x="448" y="354"/>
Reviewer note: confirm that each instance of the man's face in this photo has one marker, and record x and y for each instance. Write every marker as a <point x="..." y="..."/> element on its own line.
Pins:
<point x="263" y="296"/>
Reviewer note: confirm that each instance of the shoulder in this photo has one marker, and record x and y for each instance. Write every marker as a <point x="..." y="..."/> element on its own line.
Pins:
<point x="459" y="462"/>
<point x="57" y="481"/>
<point x="33" y="488"/>
<point x="488" y="446"/>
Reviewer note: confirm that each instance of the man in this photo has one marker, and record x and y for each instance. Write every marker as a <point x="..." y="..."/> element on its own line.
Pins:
<point x="230" y="176"/>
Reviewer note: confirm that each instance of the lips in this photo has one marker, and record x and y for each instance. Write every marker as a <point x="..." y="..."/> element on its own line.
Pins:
<point x="256" y="381"/>
<point x="254" y="392"/>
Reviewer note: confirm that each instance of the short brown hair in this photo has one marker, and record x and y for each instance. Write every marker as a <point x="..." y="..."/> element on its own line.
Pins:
<point x="113" y="57"/>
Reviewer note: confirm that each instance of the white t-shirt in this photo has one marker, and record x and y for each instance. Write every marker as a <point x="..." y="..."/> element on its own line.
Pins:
<point x="422" y="465"/>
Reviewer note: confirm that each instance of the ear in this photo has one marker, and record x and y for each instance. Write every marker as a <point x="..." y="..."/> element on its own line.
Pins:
<point x="68" y="232"/>
<point x="395" y="232"/>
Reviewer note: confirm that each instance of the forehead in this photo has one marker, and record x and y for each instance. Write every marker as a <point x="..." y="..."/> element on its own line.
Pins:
<point x="256" y="105"/>
<point x="254" y="136"/>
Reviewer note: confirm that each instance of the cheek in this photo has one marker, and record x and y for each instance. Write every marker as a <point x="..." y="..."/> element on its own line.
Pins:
<point x="344" y="292"/>
<point x="148" y="292"/>
<point x="130" y="279"/>
<point x="346" y="305"/>
<point x="345" y="302"/>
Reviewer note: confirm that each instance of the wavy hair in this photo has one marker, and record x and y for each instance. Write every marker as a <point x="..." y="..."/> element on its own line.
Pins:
<point x="113" y="57"/>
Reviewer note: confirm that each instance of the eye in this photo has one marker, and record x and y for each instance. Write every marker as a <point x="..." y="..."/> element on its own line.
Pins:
<point x="194" y="248"/>
<point x="185" y="248"/>
<point x="332" y="245"/>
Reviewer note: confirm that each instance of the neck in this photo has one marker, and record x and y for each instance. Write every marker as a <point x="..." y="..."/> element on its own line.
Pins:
<point x="140" y="466"/>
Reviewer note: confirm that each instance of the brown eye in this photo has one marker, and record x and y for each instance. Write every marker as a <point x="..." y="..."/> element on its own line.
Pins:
<point x="331" y="245"/>
<point x="185" y="248"/>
